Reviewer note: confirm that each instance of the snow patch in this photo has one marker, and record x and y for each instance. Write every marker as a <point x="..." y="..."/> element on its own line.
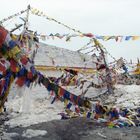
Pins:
<point x="36" y="109"/>
<point x="29" y="133"/>
<point x="130" y="97"/>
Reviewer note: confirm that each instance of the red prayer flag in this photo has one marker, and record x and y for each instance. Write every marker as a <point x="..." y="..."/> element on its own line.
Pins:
<point x="3" y="34"/>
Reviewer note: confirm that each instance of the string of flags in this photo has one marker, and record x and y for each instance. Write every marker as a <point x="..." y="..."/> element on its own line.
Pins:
<point x="113" y="117"/>
<point x="95" y="48"/>
<point x="62" y="94"/>
<point x="117" y="38"/>
<point x="42" y="14"/>
<point x="12" y="16"/>
<point x="72" y="77"/>
<point x="14" y="61"/>
<point x="103" y="38"/>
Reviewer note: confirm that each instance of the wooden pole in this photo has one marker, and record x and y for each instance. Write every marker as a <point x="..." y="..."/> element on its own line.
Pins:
<point x="27" y="18"/>
<point x="16" y="28"/>
<point x="138" y="61"/>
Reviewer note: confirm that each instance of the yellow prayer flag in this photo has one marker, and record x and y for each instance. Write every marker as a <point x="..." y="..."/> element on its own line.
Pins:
<point x="14" y="37"/>
<point x="81" y="35"/>
<point x="65" y="102"/>
<point x="84" y="114"/>
<point x="59" y="92"/>
<point x="15" y="50"/>
<point x="106" y="38"/>
<point x="33" y="11"/>
<point x="135" y="37"/>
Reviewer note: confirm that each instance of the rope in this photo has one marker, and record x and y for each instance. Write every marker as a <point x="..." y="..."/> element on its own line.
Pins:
<point x="42" y="14"/>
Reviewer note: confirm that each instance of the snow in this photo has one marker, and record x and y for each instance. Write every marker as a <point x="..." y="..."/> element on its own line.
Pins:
<point x="36" y="107"/>
<point x="130" y="97"/>
<point x="29" y="133"/>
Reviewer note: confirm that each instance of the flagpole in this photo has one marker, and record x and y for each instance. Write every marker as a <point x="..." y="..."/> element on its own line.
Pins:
<point x="27" y="18"/>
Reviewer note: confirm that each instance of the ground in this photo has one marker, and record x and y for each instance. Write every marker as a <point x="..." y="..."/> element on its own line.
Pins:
<point x="73" y="129"/>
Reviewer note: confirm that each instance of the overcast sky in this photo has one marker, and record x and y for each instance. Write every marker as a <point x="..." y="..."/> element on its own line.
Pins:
<point x="100" y="17"/>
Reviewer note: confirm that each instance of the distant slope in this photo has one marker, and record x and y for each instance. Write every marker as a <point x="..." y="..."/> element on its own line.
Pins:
<point x="53" y="56"/>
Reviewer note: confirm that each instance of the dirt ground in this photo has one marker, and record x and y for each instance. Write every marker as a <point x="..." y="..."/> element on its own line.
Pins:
<point x="74" y="129"/>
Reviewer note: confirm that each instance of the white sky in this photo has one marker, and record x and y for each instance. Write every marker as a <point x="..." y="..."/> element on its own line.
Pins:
<point x="100" y="17"/>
